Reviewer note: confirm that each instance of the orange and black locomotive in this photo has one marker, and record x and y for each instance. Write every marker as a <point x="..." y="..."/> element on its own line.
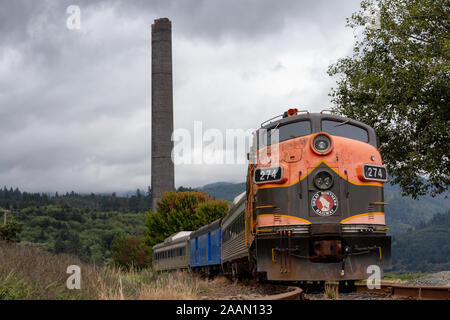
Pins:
<point x="314" y="207"/>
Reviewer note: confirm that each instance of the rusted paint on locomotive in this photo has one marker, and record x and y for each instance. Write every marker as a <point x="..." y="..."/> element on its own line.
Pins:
<point x="290" y="235"/>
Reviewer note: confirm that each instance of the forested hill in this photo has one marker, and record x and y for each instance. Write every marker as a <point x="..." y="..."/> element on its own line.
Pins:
<point x="82" y="225"/>
<point x="15" y="199"/>
<point x="425" y="249"/>
<point x="223" y="190"/>
<point x="405" y="213"/>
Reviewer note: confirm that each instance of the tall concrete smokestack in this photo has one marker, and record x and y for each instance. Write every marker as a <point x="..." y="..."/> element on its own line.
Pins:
<point x="162" y="110"/>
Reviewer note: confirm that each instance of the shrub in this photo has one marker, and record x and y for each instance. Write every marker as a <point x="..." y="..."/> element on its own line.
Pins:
<point x="10" y="232"/>
<point x="130" y="252"/>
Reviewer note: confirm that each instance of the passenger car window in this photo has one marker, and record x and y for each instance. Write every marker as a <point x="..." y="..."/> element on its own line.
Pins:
<point x="346" y="130"/>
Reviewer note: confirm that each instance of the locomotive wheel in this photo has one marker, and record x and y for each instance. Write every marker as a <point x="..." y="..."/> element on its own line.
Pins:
<point x="261" y="276"/>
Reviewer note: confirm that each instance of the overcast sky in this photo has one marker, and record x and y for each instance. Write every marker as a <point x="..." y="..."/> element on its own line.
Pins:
<point x="75" y="104"/>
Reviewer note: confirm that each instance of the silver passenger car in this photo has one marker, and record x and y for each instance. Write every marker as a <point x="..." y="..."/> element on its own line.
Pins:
<point x="173" y="253"/>
<point x="233" y="231"/>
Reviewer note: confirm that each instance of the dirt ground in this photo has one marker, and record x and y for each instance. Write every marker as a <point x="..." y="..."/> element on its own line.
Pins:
<point x="222" y="288"/>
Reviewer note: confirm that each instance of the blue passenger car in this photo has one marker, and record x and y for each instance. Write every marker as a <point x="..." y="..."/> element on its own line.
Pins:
<point x="205" y="244"/>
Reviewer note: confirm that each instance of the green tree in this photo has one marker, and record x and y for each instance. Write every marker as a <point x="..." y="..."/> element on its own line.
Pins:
<point x="182" y="211"/>
<point x="59" y="246"/>
<point x="74" y="245"/>
<point x="10" y="232"/>
<point x="397" y="81"/>
<point x="210" y="211"/>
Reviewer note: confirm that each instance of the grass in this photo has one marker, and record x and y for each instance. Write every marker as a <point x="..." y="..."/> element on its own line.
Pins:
<point x="28" y="272"/>
<point x="331" y="291"/>
<point x="13" y="288"/>
<point x="403" y="276"/>
<point x="31" y="273"/>
<point x="397" y="278"/>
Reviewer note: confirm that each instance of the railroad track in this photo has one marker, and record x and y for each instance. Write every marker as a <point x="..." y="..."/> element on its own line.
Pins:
<point x="388" y="290"/>
<point x="290" y="291"/>
<point x="409" y="292"/>
<point x="294" y="293"/>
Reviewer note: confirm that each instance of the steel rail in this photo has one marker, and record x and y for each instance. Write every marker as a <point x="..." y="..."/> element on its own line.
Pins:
<point x="409" y="292"/>
<point x="295" y="293"/>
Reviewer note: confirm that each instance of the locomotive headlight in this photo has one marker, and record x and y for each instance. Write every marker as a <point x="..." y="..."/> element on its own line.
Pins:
<point x="321" y="143"/>
<point x="323" y="180"/>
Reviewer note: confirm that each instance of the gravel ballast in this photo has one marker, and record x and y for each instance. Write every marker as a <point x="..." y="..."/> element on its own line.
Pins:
<point x="438" y="279"/>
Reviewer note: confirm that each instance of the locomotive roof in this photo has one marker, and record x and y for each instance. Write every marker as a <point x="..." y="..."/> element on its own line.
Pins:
<point x="316" y="119"/>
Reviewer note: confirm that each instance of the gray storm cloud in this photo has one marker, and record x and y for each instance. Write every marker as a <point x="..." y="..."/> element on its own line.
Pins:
<point x="75" y="104"/>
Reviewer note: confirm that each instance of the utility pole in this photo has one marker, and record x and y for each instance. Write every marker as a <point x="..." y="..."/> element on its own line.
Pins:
<point x="4" y="214"/>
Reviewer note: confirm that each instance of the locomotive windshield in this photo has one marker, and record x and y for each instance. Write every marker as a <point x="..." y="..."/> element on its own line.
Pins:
<point x="289" y="131"/>
<point x="346" y="130"/>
